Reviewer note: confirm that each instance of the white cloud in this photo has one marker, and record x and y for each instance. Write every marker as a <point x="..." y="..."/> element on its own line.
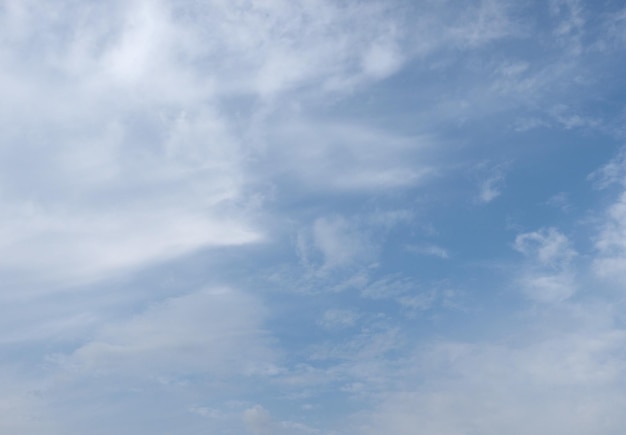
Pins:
<point x="410" y="294"/>
<point x="611" y="242"/>
<point x="491" y="411"/>
<point x="97" y="179"/>
<point x="63" y="246"/>
<point x="561" y="201"/>
<point x="616" y="35"/>
<point x="571" y="23"/>
<point x="22" y="410"/>
<point x="431" y="250"/>
<point x="614" y="172"/>
<point x="548" y="276"/>
<point x="548" y="288"/>
<point x="340" y="242"/>
<point x="338" y="318"/>
<point x="492" y="186"/>
<point x="116" y="127"/>
<point x="259" y="422"/>
<point x="571" y="120"/>
<point x="381" y="60"/>
<point x="216" y="331"/>
<point x="129" y="98"/>
<point x="335" y="244"/>
<point x="343" y="157"/>
<point x="485" y="23"/>
<point x="569" y="384"/>
<point x="548" y="246"/>
<point x="390" y="287"/>
<point x="490" y="189"/>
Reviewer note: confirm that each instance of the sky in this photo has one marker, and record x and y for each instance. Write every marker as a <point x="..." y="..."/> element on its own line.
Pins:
<point x="322" y="217"/>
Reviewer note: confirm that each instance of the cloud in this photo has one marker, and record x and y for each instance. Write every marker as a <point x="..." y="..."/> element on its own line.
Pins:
<point x="564" y="116"/>
<point x="548" y="288"/>
<point x="613" y="172"/>
<point x="616" y="36"/>
<point x="565" y="374"/>
<point x="260" y="422"/>
<point x="430" y="250"/>
<point x="410" y="294"/>
<point x="130" y="114"/>
<point x="571" y="24"/>
<point x="135" y="362"/>
<point x="570" y="383"/>
<point x="62" y="246"/>
<point x="152" y="134"/>
<point x="548" y="247"/>
<point x="22" y="409"/>
<point x="94" y="173"/>
<point x="331" y="157"/>
<point x="491" y="187"/>
<point x="339" y="242"/>
<point x="216" y="331"/>
<point x="336" y="244"/>
<point x="611" y="241"/>
<point x="560" y="201"/>
<point x="548" y="277"/>
<point x="338" y="319"/>
<point x="382" y="60"/>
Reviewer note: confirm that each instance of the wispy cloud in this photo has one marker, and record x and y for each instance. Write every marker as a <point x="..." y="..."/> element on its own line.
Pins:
<point x="549" y="277"/>
<point x="492" y="186"/>
<point x="430" y="250"/>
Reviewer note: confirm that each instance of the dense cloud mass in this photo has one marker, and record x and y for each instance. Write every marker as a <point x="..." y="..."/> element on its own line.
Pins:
<point x="313" y="217"/>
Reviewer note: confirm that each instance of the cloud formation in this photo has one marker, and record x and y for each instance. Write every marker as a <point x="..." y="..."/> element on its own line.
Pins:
<point x="289" y="217"/>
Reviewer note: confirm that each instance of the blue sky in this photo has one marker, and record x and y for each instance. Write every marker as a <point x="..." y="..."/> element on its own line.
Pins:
<point x="314" y="217"/>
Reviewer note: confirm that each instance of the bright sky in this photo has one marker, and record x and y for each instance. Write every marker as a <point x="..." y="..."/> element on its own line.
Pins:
<point x="322" y="217"/>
